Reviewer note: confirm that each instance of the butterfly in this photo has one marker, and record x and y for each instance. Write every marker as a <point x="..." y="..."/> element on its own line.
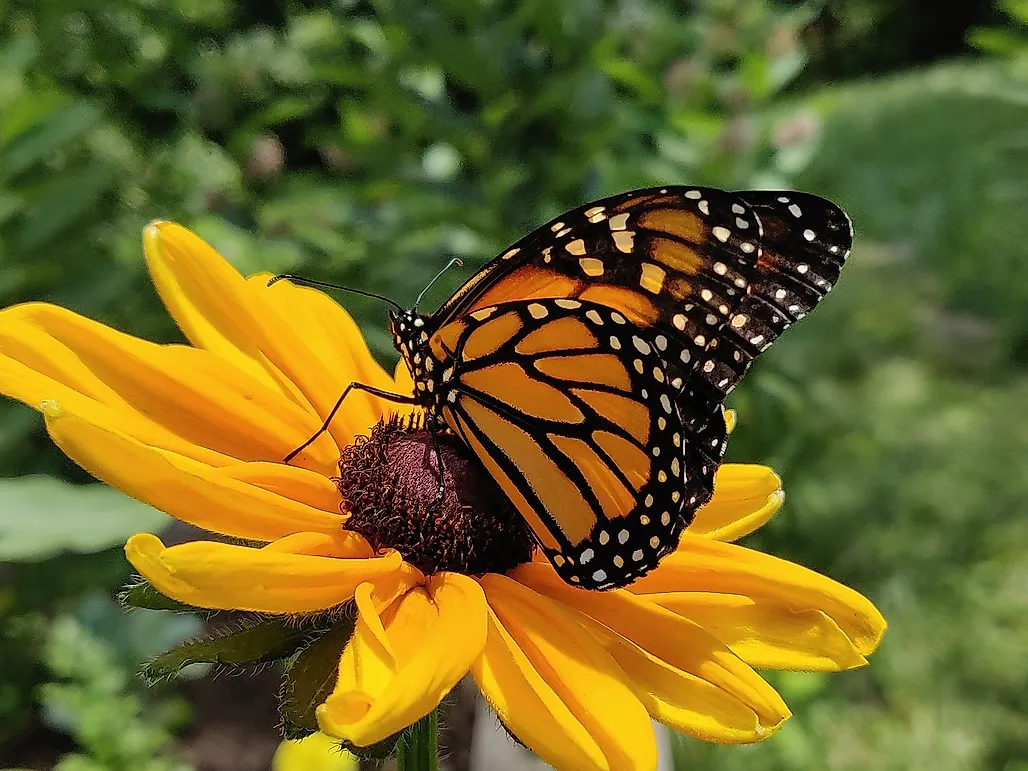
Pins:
<point x="587" y="365"/>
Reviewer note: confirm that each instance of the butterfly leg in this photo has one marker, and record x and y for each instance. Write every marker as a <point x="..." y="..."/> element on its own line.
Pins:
<point x="441" y="490"/>
<point x="398" y="398"/>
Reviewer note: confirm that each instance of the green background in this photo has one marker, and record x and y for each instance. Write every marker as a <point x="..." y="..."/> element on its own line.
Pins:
<point x="368" y="142"/>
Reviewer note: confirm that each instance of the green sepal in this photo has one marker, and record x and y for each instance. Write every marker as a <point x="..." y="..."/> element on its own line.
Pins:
<point x="378" y="751"/>
<point x="143" y="595"/>
<point x="309" y="679"/>
<point x="250" y="643"/>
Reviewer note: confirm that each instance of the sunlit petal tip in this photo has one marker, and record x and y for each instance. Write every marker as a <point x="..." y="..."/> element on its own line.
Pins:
<point x="773" y="613"/>
<point x="877" y="626"/>
<point x="160" y="235"/>
<point x="765" y="729"/>
<point x="153" y="230"/>
<point x="731" y="420"/>
<point x="745" y="498"/>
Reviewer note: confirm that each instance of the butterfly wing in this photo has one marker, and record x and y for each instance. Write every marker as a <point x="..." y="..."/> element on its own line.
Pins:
<point x="713" y="268"/>
<point x="706" y="279"/>
<point x="570" y="408"/>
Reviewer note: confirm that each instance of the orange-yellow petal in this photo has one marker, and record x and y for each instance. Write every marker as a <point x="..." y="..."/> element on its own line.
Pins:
<point x="529" y="706"/>
<point x="403" y="383"/>
<point x="289" y="577"/>
<point x="555" y="686"/>
<point x="400" y="663"/>
<point x="194" y="394"/>
<point x="731" y="420"/>
<point x="685" y="676"/>
<point x="745" y="497"/>
<point x="703" y="565"/>
<point x="767" y="633"/>
<point x="331" y="331"/>
<point x="297" y="484"/>
<point x="402" y="378"/>
<point x="210" y="320"/>
<point x="219" y="310"/>
<point x="182" y="487"/>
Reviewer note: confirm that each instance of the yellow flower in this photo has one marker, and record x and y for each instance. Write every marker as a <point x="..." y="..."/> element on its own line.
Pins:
<point x="316" y="752"/>
<point x="199" y="432"/>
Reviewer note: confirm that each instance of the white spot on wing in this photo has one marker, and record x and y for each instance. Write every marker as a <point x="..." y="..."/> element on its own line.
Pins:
<point x="619" y="222"/>
<point x="537" y="311"/>
<point x="624" y="240"/>
<point x="575" y="247"/>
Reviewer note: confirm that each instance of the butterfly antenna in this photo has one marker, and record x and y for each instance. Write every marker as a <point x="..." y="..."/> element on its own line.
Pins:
<point x="325" y="285"/>
<point x="455" y="261"/>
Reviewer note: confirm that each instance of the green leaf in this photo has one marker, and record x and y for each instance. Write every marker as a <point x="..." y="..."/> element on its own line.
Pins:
<point x="309" y="681"/>
<point x="142" y="595"/>
<point x="48" y="137"/>
<point x="256" y="642"/>
<point x="61" y="202"/>
<point x="41" y="517"/>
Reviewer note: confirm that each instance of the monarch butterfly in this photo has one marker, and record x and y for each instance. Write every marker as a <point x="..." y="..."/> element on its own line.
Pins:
<point x="586" y="365"/>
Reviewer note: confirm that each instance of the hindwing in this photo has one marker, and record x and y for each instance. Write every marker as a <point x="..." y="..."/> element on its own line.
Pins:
<point x="570" y="407"/>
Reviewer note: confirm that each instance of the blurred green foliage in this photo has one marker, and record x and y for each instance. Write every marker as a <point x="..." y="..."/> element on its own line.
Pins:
<point x="98" y="700"/>
<point x="368" y="142"/>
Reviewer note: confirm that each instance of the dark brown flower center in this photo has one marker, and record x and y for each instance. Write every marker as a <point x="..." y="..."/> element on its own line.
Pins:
<point x="390" y="485"/>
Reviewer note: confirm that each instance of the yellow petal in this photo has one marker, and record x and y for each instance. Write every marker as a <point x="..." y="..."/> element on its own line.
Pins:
<point x="182" y="487"/>
<point x="297" y="484"/>
<point x="219" y="310"/>
<point x="400" y="664"/>
<point x="329" y="329"/>
<point x="301" y="574"/>
<point x="529" y="706"/>
<point x="745" y="497"/>
<point x="403" y="383"/>
<point x="767" y="633"/>
<point x="343" y="544"/>
<point x="703" y="565"/>
<point x="194" y="394"/>
<point x="27" y="383"/>
<point x="402" y="378"/>
<point x="212" y="321"/>
<point x="316" y="751"/>
<point x="684" y="675"/>
<point x="555" y="686"/>
<point x="731" y="420"/>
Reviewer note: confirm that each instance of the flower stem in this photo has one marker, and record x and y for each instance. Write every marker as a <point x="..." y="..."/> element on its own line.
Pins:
<point x="419" y="750"/>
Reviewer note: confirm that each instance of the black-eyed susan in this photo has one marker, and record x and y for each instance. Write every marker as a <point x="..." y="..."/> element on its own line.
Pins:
<point x="440" y="588"/>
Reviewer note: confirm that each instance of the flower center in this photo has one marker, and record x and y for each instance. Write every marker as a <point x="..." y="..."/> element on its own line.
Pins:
<point x="390" y="485"/>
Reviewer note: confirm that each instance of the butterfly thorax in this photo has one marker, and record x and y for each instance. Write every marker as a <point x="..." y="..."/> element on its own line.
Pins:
<point x="410" y="332"/>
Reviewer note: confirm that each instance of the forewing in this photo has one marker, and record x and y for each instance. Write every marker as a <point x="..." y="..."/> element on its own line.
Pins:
<point x="568" y="404"/>
<point x="721" y="274"/>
